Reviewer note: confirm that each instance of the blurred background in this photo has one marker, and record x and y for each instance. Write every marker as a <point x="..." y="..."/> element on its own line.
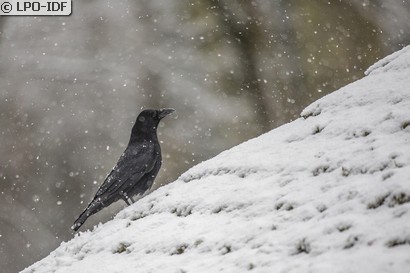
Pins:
<point x="71" y="88"/>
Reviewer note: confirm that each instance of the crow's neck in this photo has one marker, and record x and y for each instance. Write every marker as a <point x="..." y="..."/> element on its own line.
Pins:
<point x="139" y="136"/>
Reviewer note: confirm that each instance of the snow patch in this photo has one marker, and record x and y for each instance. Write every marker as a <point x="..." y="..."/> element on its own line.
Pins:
<point x="393" y="62"/>
<point x="328" y="192"/>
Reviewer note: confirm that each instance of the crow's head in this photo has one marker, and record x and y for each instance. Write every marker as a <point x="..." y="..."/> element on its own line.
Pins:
<point x="147" y="121"/>
<point x="154" y="116"/>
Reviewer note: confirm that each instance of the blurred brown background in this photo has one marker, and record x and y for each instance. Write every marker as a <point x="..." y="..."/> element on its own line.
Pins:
<point x="71" y="88"/>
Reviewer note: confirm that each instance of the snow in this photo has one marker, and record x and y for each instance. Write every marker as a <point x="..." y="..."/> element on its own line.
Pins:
<point x="328" y="192"/>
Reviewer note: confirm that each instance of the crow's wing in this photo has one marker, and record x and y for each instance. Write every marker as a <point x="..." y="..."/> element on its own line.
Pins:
<point x="133" y="164"/>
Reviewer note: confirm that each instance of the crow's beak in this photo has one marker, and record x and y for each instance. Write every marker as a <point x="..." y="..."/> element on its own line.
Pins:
<point x="165" y="112"/>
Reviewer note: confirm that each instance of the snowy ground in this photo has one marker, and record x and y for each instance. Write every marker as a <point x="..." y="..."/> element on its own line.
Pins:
<point x="329" y="192"/>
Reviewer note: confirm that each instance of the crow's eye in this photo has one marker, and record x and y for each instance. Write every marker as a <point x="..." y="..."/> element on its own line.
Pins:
<point x="154" y="114"/>
<point x="142" y="119"/>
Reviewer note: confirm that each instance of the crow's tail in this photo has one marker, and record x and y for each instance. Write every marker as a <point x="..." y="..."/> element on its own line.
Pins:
<point x="94" y="207"/>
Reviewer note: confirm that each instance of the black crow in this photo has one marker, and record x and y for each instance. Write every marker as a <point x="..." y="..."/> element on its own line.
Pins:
<point x="135" y="170"/>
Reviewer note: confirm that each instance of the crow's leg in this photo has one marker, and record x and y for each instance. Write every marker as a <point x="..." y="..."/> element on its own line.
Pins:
<point x="126" y="201"/>
<point x="132" y="200"/>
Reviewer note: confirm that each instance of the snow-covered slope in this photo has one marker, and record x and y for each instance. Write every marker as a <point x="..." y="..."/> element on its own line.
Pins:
<point x="329" y="192"/>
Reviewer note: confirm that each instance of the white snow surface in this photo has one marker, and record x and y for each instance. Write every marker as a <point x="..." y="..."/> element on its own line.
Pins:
<point x="328" y="192"/>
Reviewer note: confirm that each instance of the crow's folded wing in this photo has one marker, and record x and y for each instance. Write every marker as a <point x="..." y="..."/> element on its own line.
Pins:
<point x="133" y="164"/>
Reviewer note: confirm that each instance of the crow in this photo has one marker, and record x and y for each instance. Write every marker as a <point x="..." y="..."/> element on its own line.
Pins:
<point x="136" y="169"/>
